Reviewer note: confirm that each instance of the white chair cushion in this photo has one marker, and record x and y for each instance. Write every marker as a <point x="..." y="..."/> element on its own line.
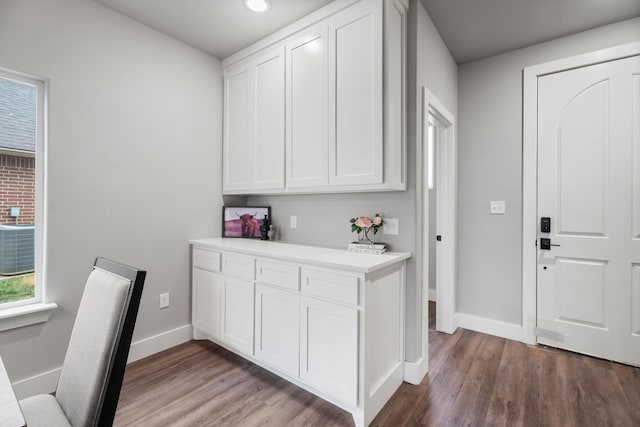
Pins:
<point x="93" y="339"/>
<point x="43" y="411"/>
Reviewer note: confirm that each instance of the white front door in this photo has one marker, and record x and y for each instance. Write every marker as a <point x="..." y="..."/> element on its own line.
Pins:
<point x="588" y="286"/>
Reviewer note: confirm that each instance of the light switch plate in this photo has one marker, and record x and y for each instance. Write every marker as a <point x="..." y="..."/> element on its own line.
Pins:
<point x="497" y="207"/>
<point x="391" y="226"/>
<point x="293" y="222"/>
<point x="164" y="300"/>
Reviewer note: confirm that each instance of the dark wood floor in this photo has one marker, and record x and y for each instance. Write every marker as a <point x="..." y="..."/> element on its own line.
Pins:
<point x="474" y="380"/>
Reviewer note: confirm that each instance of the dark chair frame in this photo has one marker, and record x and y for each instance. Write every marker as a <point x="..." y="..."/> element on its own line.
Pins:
<point x="109" y="404"/>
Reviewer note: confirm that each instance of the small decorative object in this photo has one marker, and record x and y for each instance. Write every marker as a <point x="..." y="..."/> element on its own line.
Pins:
<point x="363" y="226"/>
<point x="244" y="221"/>
<point x="264" y="228"/>
<point x="272" y="232"/>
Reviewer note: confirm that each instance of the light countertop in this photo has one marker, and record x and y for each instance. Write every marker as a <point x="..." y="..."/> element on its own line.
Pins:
<point x="325" y="257"/>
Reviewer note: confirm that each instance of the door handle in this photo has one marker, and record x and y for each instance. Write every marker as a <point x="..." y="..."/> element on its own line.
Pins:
<point x="545" y="244"/>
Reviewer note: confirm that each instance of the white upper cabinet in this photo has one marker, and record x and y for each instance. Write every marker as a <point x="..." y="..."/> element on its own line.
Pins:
<point x="237" y="170"/>
<point x="307" y="91"/>
<point x="355" y="95"/>
<point x="255" y="124"/>
<point x="320" y="105"/>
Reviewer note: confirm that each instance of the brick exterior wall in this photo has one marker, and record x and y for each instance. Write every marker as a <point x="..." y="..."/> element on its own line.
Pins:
<point x="17" y="189"/>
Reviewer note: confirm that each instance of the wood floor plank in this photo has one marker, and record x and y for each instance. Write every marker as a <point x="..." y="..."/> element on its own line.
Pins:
<point x="506" y="407"/>
<point x="474" y="380"/>
<point x="474" y="397"/>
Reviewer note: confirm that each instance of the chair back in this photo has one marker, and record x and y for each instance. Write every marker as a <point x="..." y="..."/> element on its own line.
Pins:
<point x="93" y="368"/>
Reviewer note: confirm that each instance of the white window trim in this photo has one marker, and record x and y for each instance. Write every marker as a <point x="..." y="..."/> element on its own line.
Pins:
<point x="38" y="309"/>
<point x="24" y="315"/>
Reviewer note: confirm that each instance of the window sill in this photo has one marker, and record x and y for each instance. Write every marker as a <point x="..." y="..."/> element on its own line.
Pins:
<point x="24" y="315"/>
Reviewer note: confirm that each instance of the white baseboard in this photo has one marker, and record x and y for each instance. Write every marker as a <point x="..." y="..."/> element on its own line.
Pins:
<point x="433" y="295"/>
<point x="46" y="382"/>
<point x="155" y="344"/>
<point x="492" y="327"/>
<point x="414" y="372"/>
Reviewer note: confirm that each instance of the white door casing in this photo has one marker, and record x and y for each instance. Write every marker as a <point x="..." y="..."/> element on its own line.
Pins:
<point x="447" y="220"/>
<point x="585" y="143"/>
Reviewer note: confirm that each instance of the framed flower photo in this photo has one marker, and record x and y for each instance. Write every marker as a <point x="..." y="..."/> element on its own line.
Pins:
<point x="244" y="222"/>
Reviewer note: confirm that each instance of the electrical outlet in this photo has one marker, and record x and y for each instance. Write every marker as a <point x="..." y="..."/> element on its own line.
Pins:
<point x="497" y="207"/>
<point x="294" y="221"/>
<point x="391" y="226"/>
<point x="164" y="300"/>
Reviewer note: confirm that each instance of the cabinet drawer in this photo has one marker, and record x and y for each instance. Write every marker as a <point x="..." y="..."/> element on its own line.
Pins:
<point x="337" y="287"/>
<point x="238" y="265"/>
<point x="278" y="274"/>
<point x="207" y="260"/>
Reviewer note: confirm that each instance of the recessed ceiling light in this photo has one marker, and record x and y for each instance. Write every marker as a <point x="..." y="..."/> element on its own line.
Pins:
<point x="257" y="5"/>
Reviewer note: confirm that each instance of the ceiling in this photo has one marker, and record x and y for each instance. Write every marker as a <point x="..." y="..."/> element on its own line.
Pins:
<point x="474" y="29"/>
<point x="219" y="27"/>
<point x="471" y="29"/>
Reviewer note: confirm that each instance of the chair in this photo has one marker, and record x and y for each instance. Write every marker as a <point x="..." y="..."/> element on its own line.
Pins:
<point x="91" y="377"/>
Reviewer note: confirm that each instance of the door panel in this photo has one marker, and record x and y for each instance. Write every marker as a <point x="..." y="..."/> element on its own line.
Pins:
<point x="588" y="167"/>
<point x="278" y="328"/>
<point x="307" y="136"/>
<point x="237" y="314"/>
<point x="582" y="162"/>
<point x="580" y="287"/>
<point x="329" y="348"/>
<point x="237" y="130"/>
<point x="356" y="108"/>
<point x="268" y="132"/>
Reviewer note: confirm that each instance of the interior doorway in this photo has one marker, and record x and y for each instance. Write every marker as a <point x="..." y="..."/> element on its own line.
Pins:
<point x="439" y="211"/>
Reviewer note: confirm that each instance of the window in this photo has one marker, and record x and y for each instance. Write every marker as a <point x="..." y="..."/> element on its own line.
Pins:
<point x="22" y="172"/>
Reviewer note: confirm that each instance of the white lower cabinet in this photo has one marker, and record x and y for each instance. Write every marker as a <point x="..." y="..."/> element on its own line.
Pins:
<point x="278" y="328"/>
<point x="335" y="330"/>
<point x="329" y="348"/>
<point x="207" y="291"/>
<point x="237" y="314"/>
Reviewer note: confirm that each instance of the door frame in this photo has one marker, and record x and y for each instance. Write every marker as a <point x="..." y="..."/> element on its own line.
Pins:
<point x="446" y="212"/>
<point x="530" y="168"/>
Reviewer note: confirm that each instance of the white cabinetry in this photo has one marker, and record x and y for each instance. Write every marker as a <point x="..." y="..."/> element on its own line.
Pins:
<point x="324" y="319"/>
<point x="254" y="123"/>
<point x="237" y="314"/>
<point x="307" y="91"/>
<point x="355" y="95"/>
<point x="329" y="348"/>
<point x="207" y="291"/>
<point x="278" y="328"/>
<point x="344" y="85"/>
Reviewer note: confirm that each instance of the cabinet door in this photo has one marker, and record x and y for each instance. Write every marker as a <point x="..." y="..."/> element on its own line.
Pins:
<point x="207" y="289"/>
<point x="278" y="328"/>
<point x="254" y="124"/>
<point x="237" y="129"/>
<point x="237" y="314"/>
<point x="329" y="348"/>
<point x="269" y="115"/>
<point x="355" y="95"/>
<point x="307" y="129"/>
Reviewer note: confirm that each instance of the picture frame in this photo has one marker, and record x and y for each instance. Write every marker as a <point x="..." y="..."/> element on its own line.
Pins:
<point x="243" y="222"/>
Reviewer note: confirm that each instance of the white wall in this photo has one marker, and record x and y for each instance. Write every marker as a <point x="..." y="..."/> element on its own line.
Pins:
<point x="490" y="168"/>
<point x="134" y="153"/>
<point x="324" y="219"/>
